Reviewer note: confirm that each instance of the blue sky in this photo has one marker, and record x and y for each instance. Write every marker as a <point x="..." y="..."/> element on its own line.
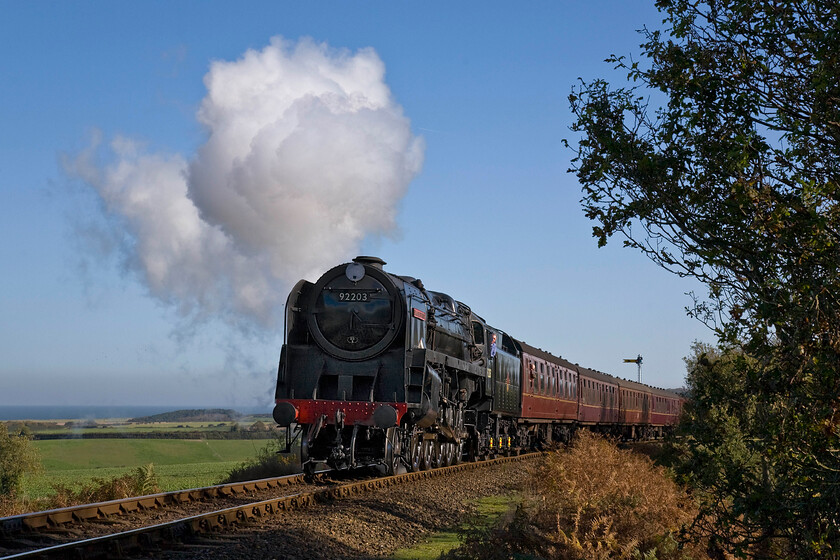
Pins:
<point x="492" y="217"/>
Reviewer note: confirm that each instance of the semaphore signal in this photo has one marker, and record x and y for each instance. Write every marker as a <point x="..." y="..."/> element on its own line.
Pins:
<point x="638" y="361"/>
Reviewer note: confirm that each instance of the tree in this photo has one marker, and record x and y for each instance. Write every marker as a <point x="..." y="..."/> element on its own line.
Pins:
<point x="721" y="161"/>
<point x="717" y="455"/>
<point x="17" y="457"/>
<point x="258" y="426"/>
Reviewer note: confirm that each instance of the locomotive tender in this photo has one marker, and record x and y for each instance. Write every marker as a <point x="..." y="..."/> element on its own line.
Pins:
<point x="377" y="370"/>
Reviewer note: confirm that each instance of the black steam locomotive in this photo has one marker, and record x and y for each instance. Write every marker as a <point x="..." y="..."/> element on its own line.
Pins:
<point x="377" y="370"/>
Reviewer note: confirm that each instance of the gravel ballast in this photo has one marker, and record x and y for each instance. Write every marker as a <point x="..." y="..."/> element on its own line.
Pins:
<point x="373" y="525"/>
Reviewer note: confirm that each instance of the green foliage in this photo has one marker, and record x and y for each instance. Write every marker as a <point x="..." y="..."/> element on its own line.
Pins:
<point x="724" y="454"/>
<point x="17" y="457"/>
<point x="734" y="179"/>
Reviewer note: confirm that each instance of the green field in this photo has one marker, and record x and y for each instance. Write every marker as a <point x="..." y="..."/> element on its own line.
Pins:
<point x="178" y="463"/>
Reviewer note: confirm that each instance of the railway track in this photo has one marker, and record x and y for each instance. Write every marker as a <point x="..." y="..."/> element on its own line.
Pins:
<point x="186" y="527"/>
<point x="44" y="520"/>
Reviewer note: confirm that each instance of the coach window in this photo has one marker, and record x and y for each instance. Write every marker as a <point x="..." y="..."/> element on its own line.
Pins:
<point x="531" y="375"/>
<point x="548" y="379"/>
<point x="541" y="388"/>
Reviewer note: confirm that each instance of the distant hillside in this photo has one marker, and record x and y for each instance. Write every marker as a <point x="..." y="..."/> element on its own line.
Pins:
<point x="195" y="415"/>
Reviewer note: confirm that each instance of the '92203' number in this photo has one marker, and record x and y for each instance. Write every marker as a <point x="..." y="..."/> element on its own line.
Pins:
<point x="353" y="296"/>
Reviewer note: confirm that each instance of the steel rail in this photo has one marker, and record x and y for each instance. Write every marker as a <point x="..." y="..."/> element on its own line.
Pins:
<point x="172" y="532"/>
<point x="56" y="517"/>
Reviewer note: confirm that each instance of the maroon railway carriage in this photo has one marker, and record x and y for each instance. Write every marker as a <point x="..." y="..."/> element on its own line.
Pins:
<point x="634" y="404"/>
<point x="646" y="411"/>
<point x="558" y="397"/>
<point x="598" y="403"/>
<point x="666" y="408"/>
<point x="549" y="388"/>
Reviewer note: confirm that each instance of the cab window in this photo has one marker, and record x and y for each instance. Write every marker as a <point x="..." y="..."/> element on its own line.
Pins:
<point x="478" y="332"/>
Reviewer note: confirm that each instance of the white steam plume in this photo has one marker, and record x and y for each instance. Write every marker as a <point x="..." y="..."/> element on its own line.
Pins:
<point x="307" y="153"/>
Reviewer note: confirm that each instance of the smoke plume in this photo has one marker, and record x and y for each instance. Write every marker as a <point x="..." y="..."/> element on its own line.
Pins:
<point x="307" y="153"/>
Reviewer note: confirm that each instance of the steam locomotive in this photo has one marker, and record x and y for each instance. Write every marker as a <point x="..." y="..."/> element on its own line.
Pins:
<point x="376" y="370"/>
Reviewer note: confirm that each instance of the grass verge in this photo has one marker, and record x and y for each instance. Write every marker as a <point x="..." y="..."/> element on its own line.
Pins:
<point x="489" y="510"/>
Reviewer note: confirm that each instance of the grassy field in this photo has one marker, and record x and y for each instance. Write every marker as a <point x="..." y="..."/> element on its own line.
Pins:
<point x="178" y="463"/>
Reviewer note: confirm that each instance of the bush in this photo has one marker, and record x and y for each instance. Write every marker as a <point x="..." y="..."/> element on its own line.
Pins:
<point x="17" y="457"/>
<point x="591" y="502"/>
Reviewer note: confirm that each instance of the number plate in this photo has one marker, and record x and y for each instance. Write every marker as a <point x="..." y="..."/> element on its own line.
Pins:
<point x="353" y="295"/>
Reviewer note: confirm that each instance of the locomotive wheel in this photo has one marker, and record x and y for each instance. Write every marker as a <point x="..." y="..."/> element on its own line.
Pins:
<point x="393" y="452"/>
<point x="458" y="453"/>
<point x="415" y="453"/>
<point x="426" y="450"/>
<point x="448" y="454"/>
<point x="438" y="454"/>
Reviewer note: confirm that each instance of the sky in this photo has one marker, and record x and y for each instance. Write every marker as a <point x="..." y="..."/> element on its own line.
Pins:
<point x="169" y="170"/>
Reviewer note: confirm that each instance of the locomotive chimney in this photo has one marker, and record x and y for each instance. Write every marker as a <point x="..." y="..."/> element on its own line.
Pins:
<point x="375" y="262"/>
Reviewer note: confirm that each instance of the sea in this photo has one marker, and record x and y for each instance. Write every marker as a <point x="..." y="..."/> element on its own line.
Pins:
<point x="70" y="412"/>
